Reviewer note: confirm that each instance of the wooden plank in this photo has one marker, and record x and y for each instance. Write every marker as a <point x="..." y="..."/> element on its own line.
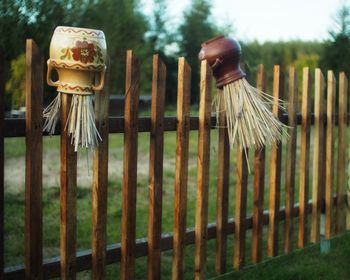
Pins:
<point x="275" y="170"/>
<point x="68" y="197"/>
<point x="317" y="171"/>
<point x="16" y="127"/>
<point x="181" y="167"/>
<point x="240" y="209"/>
<point x="291" y="159"/>
<point x="259" y="185"/>
<point x="342" y="123"/>
<point x="155" y="185"/>
<point x="34" y="161"/>
<point x="331" y="94"/>
<point x="222" y="192"/>
<point x="51" y="267"/>
<point x="128" y="236"/>
<point x="203" y="162"/>
<point x="100" y="183"/>
<point x="304" y="157"/>
<point x="2" y="109"/>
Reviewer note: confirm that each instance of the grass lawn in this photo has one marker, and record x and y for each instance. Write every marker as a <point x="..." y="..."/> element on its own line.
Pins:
<point x="308" y="264"/>
<point x="14" y="210"/>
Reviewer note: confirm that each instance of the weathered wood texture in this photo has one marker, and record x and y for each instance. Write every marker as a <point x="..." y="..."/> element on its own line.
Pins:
<point x="275" y="169"/>
<point x="329" y="172"/>
<point x="342" y="125"/>
<point x="291" y="159"/>
<point x="203" y="172"/>
<point x="68" y="197"/>
<point x="240" y="209"/>
<point x="318" y="157"/>
<point x="304" y="157"/>
<point x="128" y="236"/>
<point x="155" y="185"/>
<point x="222" y="193"/>
<point x="100" y="184"/>
<point x="34" y="161"/>
<point x="259" y="185"/>
<point x="181" y="169"/>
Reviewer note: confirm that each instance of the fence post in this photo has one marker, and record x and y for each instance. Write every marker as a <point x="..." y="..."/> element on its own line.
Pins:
<point x="340" y="205"/>
<point x="156" y="169"/>
<point x="181" y="169"/>
<point x="203" y="172"/>
<point x="222" y="200"/>
<point x="318" y="157"/>
<point x="331" y="93"/>
<point x="68" y="196"/>
<point x="34" y="152"/>
<point x="240" y="208"/>
<point x="132" y="88"/>
<point x="275" y="170"/>
<point x="290" y="160"/>
<point x="100" y="183"/>
<point x="304" y="158"/>
<point x="2" y="108"/>
<point x="259" y="184"/>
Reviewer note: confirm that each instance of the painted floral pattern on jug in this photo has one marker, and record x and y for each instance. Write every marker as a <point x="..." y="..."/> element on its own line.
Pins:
<point x="83" y="51"/>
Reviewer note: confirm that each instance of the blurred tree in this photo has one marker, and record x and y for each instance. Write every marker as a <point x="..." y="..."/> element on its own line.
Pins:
<point x="124" y="26"/>
<point x="121" y="20"/>
<point x="336" y="54"/>
<point x="196" y="28"/>
<point x="285" y="54"/>
<point x="160" y="38"/>
<point x="15" y="86"/>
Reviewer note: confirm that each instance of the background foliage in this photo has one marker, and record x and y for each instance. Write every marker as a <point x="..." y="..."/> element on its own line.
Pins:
<point x="127" y="27"/>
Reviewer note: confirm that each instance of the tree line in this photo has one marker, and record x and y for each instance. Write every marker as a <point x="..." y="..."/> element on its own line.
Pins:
<point x="127" y="27"/>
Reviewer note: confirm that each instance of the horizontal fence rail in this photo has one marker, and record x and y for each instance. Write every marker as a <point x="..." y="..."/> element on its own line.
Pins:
<point x="317" y="161"/>
<point x="16" y="127"/>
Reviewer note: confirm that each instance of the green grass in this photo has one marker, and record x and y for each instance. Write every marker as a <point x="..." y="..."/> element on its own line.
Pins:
<point x="308" y="264"/>
<point x="14" y="206"/>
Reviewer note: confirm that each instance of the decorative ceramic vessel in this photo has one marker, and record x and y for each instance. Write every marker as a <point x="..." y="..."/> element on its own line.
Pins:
<point x="79" y="57"/>
<point x="223" y="56"/>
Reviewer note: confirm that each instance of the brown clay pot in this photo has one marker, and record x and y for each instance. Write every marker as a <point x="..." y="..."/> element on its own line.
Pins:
<point x="223" y="56"/>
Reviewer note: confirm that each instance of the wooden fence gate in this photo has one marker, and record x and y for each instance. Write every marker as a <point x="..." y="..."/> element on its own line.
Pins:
<point x="327" y="195"/>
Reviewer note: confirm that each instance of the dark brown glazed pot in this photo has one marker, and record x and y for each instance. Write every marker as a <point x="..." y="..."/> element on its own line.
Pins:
<point x="223" y="56"/>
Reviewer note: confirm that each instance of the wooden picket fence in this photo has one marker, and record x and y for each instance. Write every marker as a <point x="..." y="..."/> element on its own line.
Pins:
<point x="327" y="163"/>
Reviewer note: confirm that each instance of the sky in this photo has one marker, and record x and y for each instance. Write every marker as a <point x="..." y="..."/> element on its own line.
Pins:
<point x="266" y="20"/>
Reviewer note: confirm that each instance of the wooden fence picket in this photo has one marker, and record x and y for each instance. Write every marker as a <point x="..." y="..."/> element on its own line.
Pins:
<point x="318" y="157"/>
<point x="181" y="169"/>
<point x="34" y="161"/>
<point x="304" y="157"/>
<point x="240" y="209"/>
<point x="68" y="197"/>
<point x="156" y="169"/>
<point x="329" y="172"/>
<point x="222" y="193"/>
<point x="259" y="185"/>
<point x="128" y="238"/>
<point x="342" y="124"/>
<point x="291" y="159"/>
<point x="275" y="170"/>
<point x="100" y="184"/>
<point x="203" y="172"/>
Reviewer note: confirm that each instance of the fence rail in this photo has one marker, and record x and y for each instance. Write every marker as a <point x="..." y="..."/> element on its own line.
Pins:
<point x="326" y="197"/>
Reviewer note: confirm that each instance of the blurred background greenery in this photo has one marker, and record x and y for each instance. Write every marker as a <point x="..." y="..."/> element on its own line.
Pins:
<point x="127" y="27"/>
